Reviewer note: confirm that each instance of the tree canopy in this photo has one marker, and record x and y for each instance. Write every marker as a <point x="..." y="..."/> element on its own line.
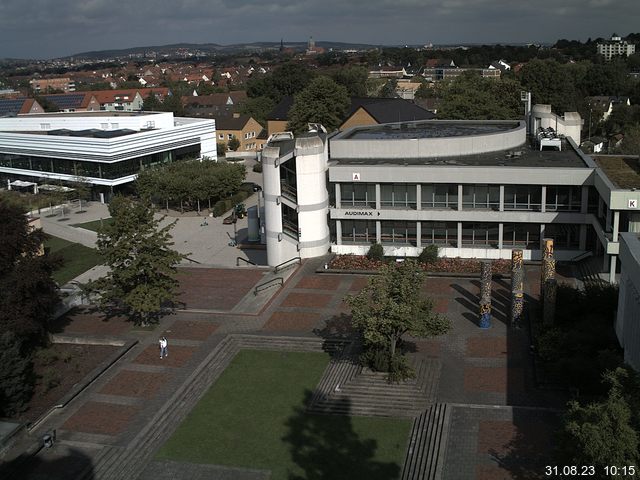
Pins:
<point x="322" y="101"/>
<point x="288" y="79"/>
<point x="142" y="265"/>
<point x="471" y="97"/>
<point x="392" y="305"/>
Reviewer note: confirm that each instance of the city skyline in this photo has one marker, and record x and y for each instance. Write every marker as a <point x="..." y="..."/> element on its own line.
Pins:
<point x="42" y="30"/>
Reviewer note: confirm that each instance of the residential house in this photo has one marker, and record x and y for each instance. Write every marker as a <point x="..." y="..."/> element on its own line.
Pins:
<point x="388" y="72"/>
<point x="215" y="105"/>
<point x="74" y="102"/>
<point x="11" y="107"/>
<point x="64" y="84"/>
<point x="606" y="104"/>
<point x="614" y="47"/>
<point x="242" y="127"/>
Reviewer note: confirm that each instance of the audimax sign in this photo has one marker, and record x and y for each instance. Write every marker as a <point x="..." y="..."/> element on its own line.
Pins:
<point x="361" y="213"/>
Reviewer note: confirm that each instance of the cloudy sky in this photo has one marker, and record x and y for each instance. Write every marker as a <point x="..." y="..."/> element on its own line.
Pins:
<point x="51" y="28"/>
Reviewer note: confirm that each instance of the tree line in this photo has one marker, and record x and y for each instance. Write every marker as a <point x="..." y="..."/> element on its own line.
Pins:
<point x="189" y="184"/>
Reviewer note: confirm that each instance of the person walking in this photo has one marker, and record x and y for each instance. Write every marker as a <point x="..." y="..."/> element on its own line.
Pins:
<point x="163" y="347"/>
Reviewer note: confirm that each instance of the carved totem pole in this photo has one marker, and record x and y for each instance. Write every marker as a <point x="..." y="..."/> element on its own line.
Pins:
<point x="485" y="294"/>
<point x="517" y="287"/>
<point x="548" y="284"/>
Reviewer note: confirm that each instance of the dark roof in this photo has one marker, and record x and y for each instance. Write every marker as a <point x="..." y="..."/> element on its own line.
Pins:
<point x="10" y="107"/>
<point x="281" y="110"/>
<point x="390" y="110"/>
<point x="383" y="110"/>
<point x="66" y="101"/>
<point x="92" y="133"/>
<point x="229" y="122"/>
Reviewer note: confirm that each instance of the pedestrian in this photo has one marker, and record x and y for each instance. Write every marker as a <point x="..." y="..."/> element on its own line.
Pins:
<point x="163" y="347"/>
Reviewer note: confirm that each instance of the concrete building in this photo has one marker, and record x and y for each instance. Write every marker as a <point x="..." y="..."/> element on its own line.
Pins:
<point x="106" y="148"/>
<point x="615" y="46"/>
<point x="476" y="189"/>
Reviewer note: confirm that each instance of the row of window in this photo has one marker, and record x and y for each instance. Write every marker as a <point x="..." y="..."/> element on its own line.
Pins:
<point x="95" y="169"/>
<point x="445" y="196"/>
<point x="522" y="235"/>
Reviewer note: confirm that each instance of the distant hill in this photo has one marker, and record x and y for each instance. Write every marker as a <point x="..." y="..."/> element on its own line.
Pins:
<point x="214" y="48"/>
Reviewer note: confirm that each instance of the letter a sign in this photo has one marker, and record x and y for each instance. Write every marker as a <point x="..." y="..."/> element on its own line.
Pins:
<point x="356" y="177"/>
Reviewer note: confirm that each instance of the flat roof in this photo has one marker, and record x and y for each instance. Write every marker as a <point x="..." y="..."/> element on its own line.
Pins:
<point x="429" y="129"/>
<point x="622" y="170"/>
<point x="523" y="156"/>
<point x="100" y="113"/>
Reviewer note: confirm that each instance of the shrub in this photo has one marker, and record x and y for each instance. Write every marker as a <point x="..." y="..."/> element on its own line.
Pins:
<point x="257" y="167"/>
<point x="429" y="254"/>
<point x="376" y="252"/>
<point x="50" y="379"/>
<point x="15" y="375"/>
<point x="399" y="369"/>
<point x="46" y="357"/>
<point x="221" y="207"/>
<point x="376" y="358"/>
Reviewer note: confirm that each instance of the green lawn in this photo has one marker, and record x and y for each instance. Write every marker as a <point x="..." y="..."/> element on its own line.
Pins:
<point x="254" y="417"/>
<point x="77" y="258"/>
<point x="93" y="225"/>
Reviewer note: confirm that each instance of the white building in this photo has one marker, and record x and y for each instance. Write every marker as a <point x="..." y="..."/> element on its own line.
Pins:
<point x="615" y="47"/>
<point x="106" y="148"/>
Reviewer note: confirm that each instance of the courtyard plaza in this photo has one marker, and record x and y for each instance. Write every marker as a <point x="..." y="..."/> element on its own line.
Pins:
<point x="476" y="386"/>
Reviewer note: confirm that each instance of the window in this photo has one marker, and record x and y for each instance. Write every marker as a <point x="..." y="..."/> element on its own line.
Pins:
<point x="521" y="235"/>
<point x="398" y="233"/>
<point x="398" y="195"/>
<point x="565" y="237"/>
<point x="358" y="231"/>
<point x="290" y="221"/>
<point x="439" y="196"/>
<point x="480" y="234"/>
<point x="45" y="126"/>
<point x="522" y="197"/>
<point x="221" y="136"/>
<point x="564" y="198"/>
<point x="439" y="233"/>
<point x="482" y="197"/>
<point x="358" y="195"/>
<point x="288" y="180"/>
<point x="229" y="136"/>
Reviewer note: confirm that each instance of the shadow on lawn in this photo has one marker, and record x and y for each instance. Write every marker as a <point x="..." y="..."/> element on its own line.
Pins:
<point x="64" y="463"/>
<point x="327" y="447"/>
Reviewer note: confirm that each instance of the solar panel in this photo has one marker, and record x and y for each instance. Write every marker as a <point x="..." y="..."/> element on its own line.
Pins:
<point x="10" y="106"/>
<point x="66" y="102"/>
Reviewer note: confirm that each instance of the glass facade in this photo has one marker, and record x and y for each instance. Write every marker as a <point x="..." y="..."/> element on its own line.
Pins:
<point x="521" y="235"/>
<point x="288" y="180"/>
<point x="398" y="195"/>
<point x="358" y="231"/>
<point x="398" y="233"/>
<point x="564" y="199"/>
<point x="86" y="168"/>
<point x="358" y="195"/>
<point x="290" y="221"/>
<point x="565" y="237"/>
<point x="484" y="197"/>
<point x="480" y="234"/>
<point x="439" y="196"/>
<point x="523" y="197"/>
<point x="439" y="233"/>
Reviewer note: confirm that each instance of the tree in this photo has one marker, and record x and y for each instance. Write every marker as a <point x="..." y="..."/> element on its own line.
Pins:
<point x="151" y="103"/>
<point x="602" y="433"/>
<point x="258" y="108"/>
<point x="389" y="89"/>
<point x="28" y="294"/>
<point x="392" y="305"/>
<point x="471" y="97"/>
<point x="288" y="79"/>
<point x="234" y="144"/>
<point x="354" y="79"/>
<point x="142" y="276"/>
<point x="549" y="83"/>
<point x="631" y="141"/>
<point x="16" y="383"/>
<point x="323" y="101"/>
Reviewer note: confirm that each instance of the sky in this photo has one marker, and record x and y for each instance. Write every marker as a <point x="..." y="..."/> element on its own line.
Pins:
<point x="56" y="28"/>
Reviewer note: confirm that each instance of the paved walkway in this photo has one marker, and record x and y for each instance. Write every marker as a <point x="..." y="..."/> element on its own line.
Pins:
<point x="485" y="376"/>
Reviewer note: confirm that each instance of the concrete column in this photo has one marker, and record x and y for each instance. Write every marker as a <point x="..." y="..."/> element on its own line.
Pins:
<point x="500" y="234"/>
<point x="460" y="191"/>
<point x="418" y="201"/>
<point x="378" y="202"/>
<point x="600" y="203"/>
<point x="338" y="232"/>
<point x="605" y="262"/>
<point x="378" y="226"/>
<point x="338" y="197"/>
<point x="502" y="198"/>
<point x="616" y="224"/>
<point x="459" y="234"/>
<point x="418" y="232"/>
<point x="608" y="220"/>
<point x="543" y="201"/>
<point x="542" y="230"/>
<point x="612" y="271"/>
<point x="584" y="204"/>
<point x="582" y="242"/>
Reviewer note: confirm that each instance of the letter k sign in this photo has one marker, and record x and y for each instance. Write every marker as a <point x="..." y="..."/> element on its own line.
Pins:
<point x="633" y="203"/>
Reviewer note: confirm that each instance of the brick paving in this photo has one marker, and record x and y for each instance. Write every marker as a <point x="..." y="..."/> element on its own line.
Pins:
<point x="178" y="355"/>
<point x="101" y="418"/>
<point x="215" y="288"/>
<point x="132" y="383"/>
<point x="81" y="322"/>
<point x="190" y="329"/>
<point x="490" y="367"/>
